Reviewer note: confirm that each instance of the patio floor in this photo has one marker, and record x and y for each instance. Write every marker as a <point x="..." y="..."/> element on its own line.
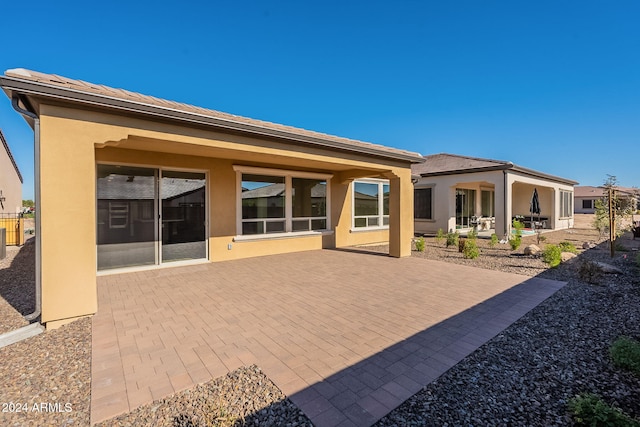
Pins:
<point x="346" y="336"/>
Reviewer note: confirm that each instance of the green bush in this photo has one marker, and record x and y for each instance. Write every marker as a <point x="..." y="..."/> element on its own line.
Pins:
<point x="471" y="250"/>
<point x="494" y="240"/>
<point x="420" y="244"/>
<point x="472" y="234"/>
<point x="518" y="225"/>
<point x="625" y="353"/>
<point x="552" y="255"/>
<point x="461" y="244"/>
<point x="568" y="247"/>
<point x="515" y="242"/>
<point x="439" y="236"/>
<point x="589" y="410"/>
<point x="452" y="238"/>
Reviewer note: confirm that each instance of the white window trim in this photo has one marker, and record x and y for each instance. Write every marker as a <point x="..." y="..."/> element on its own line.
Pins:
<point x="288" y="176"/>
<point x="380" y="215"/>
<point x="570" y="208"/>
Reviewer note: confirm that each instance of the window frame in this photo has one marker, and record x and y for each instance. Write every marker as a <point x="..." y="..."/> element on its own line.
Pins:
<point x="424" y="187"/>
<point x="566" y="204"/>
<point x="288" y="176"/>
<point x="590" y="203"/>
<point x="381" y="217"/>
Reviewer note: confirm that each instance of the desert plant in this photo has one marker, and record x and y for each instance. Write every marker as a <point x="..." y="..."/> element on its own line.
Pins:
<point x="439" y="236"/>
<point x="540" y="238"/>
<point x="518" y="225"/>
<point x="589" y="410"/>
<point x="470" y="250"/>
<point x="472" y="234"/>
<point x="552" y="255"/>
<point x="625" y="353"/>
<point x="567" y="247"/>
<point x="461" y="243"/>
<point x="494" y="240"/>
<point x="590" y="272"/>
<point x="452" y="238"/>
<point x="515" y="242"/>
<point x="420" y="244"/>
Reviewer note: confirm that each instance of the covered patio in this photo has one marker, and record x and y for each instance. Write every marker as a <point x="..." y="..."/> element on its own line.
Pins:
<point x="346" y="336"/>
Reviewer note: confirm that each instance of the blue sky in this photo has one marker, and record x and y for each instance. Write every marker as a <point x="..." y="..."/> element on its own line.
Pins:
<point x="549" y="85"/>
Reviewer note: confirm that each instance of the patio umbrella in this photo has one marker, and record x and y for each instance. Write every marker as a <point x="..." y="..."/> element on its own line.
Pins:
<point x="534" y="205"/>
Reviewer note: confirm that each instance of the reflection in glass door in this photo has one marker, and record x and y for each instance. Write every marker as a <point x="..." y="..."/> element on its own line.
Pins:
<point x="126" y="225"/>
<point x="147" y="216"/>
<point x="183" y="215"/>
<point x="465" y="207"/>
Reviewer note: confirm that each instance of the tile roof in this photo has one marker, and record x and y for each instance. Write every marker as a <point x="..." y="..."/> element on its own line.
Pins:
<point x="81" y="87"/>
<point x="450" y="164"/>
<point x="587" y="191"/>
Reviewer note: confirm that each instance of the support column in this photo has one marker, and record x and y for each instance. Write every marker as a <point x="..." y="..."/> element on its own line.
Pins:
<point x="400" y="213"/>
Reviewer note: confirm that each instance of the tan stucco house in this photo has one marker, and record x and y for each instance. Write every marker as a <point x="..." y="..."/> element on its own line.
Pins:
<point x="586" y="196"/>
<point x="454" y="192"/>
<point x="10" y="196"/>
<point x="127" y="181"/>
<point x="10" y="180"/>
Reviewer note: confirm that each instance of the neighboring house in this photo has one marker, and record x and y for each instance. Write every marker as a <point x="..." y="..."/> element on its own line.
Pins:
<point x="586" y="196"/>
<point x="455" y="192"/>
<point x="10" y="180"/>
<point x="156" y="183"/>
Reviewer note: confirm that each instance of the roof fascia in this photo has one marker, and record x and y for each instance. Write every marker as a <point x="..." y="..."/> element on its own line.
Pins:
<point x="536" y="174"/>
<point x="73" y="96"/>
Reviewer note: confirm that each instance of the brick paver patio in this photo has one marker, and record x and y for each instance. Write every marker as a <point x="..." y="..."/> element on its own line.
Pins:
<point x="347" y="336"/>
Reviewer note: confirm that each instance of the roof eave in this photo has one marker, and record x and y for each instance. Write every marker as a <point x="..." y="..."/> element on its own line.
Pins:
<point x="11" y="84"/>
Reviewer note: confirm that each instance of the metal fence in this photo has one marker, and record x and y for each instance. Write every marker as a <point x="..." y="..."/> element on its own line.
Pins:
<point x="13" y="223"/>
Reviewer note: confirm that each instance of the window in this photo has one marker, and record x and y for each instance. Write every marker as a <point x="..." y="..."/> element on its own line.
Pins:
<point x="277" y="201"/>
<point x="488" y="202"/>
<point x="587" y="204"/>
<point x="566" y="204"/>
<point x="422" y="203"/>
<point x="370" y="204"/>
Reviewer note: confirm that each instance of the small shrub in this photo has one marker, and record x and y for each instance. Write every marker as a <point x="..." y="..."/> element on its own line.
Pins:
<point x="540" y="238"/>
<point x="625" y="353"/>
<point x="472" y="234"/>
<point x="589" y="410"/>
<point x="420" y="244"/>
<point x="515" y="242"/>
<point x="461" y="243"/>
<point x="638" y="260"/>
<point x="470" y="250"/>
<point x="552" y="255"/>
<point x="452" y="238"/>
<point x="568" y="247"/>
<point x="590" y="272"/>
<point x="518" y="225"/>
<point x="439" y="236"/>
<point x="494" y="240"/>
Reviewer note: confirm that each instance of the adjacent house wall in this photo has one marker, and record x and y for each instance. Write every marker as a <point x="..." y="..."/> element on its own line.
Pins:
<point x="10" y="181"/>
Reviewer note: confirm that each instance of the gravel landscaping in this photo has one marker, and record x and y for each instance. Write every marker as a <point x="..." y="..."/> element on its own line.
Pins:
<point x="524" y="376"/>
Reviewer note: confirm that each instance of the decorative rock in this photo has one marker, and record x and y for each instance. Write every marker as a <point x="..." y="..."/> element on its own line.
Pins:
<point x="567" y="256"/>
<point x="588" y="245"/>
<point x="531" y="250"/>
<point x="607" y="268"/>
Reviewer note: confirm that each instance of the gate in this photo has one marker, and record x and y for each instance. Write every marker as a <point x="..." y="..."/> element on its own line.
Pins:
<point x="14" y="224"/>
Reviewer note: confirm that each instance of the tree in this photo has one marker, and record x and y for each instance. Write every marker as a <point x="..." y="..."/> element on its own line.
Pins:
<point x="609" y="210"/>
<point x="28" y="203"/>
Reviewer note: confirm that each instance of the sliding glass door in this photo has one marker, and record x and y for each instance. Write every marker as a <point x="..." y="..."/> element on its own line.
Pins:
<point x="465" y="207"/>
<point x="147" y="216"/>
<point x="183" y="215"/>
